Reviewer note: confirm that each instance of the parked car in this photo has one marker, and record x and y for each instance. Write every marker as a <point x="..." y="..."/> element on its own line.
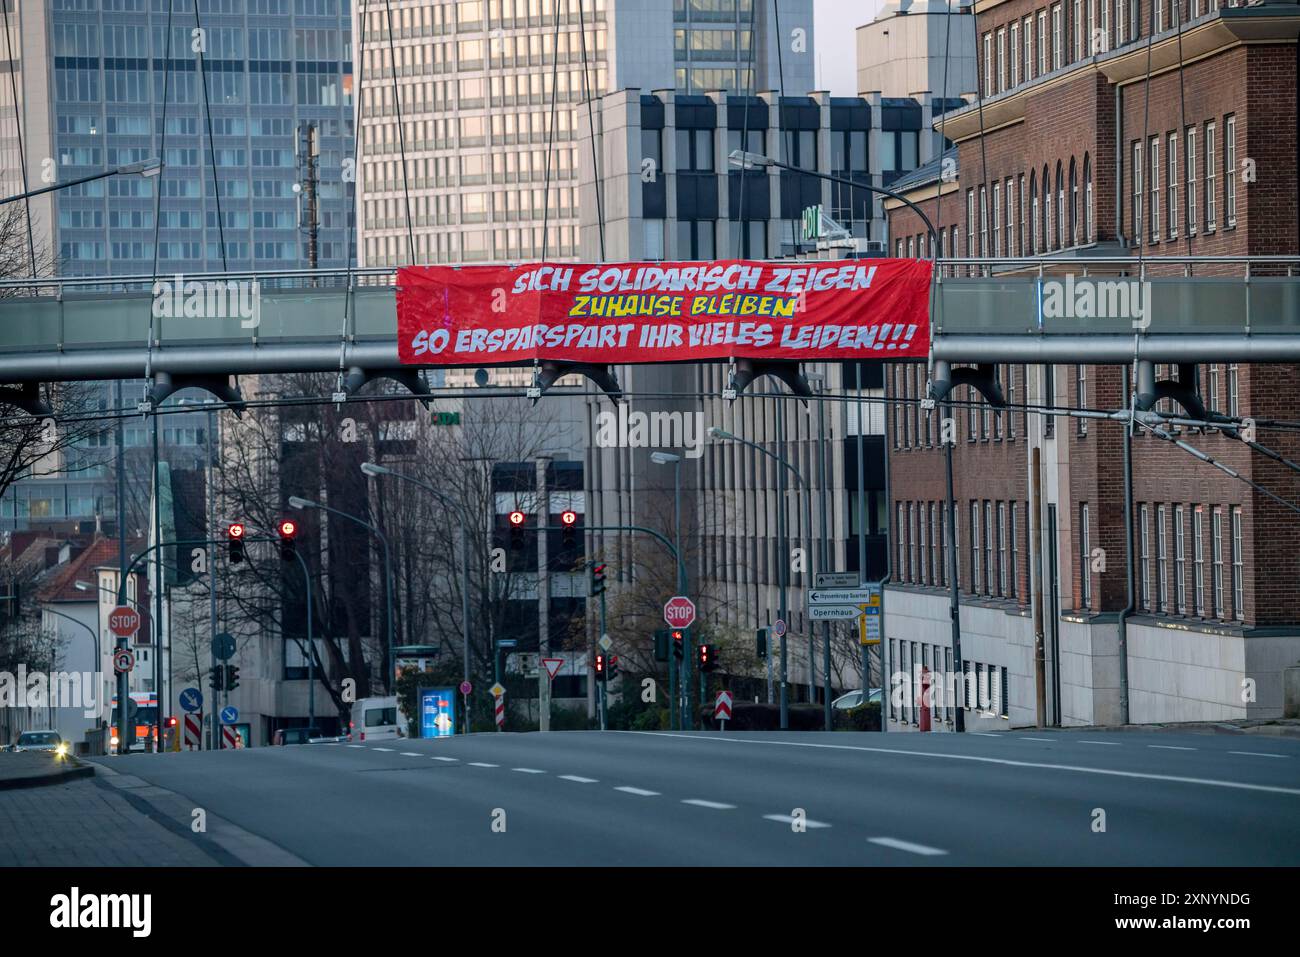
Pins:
<point x="41" y="741"/>
<point x="853" y="699"/>
<point x="305" y="736"/>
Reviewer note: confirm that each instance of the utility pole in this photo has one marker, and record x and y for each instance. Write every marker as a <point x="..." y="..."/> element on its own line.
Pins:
<point x="310" y="185"/>
<point x="125" y="728"/>
<point x="160" y="692"/>
<point x="1036" y="574"/>
<point x="543" y="594"/>
<point x="212" y="567"/>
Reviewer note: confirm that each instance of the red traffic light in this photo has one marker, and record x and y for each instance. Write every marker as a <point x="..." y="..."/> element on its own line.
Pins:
<point x="288" y="528"/>
<point x="568" y="517"/>
<point x="236" y="530"/>
<point x="677" y="636"/>
<point x="516" y="518"/>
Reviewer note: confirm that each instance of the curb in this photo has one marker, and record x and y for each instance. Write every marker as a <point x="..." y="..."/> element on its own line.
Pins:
<point x="48" y="778"/>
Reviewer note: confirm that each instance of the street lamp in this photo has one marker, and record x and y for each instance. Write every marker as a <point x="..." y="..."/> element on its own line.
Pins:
<point x="725" y="436"/>
<point x="302" y="503"/>
<point x="145" y="168"/>
<point x="373" y="470"/>
<point x="671" y="458"/>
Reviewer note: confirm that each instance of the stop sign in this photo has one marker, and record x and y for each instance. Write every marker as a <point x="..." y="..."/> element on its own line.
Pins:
<point x="123" y="621"/>
<point x="679" y="611"/>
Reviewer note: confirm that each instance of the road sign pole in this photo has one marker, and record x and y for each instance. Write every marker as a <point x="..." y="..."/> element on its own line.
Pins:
<point x="543" y="591"/>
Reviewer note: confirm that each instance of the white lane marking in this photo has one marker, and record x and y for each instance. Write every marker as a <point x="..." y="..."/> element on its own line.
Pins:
<point x="1024" y="738"/>
<point x="1169" y="747"/>
<point x="528" y="770"/>
<point x="787" y="819"/>
<point x="482" y="764"/>
<point x="1259" y="754"/>
<point x="906" y="846"/>
<point x="580" y="780"/>
<point x="981" y="759"/>
<point x="389" y="750"/>
<point x="641" y="791"/>
<point x="984" y="734"/>
<point x="709" y="804"/>
<point x="1113" y="744"/>
<point x="356" y="745"/>
<point x="412" y="754"/>
<point x="439" y="757"/>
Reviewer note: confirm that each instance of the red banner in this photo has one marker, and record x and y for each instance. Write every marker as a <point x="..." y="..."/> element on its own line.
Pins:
<point x="663" y="312"/>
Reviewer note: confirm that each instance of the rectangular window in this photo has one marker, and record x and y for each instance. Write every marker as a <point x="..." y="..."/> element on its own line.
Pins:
<point x="1015" y="54"/>
<point x="1011" y="215"/>
<point x="902" y="545"/>
<point x="1078" y="29"/>
<point x="1020" y="220"/>
<point x="1230" y="170"/>
<point x="911" y="542"/>
<point x="936" y="529"/>
<point x="1144" y="563"/>
<point x="997" y="220"/>
<point x="988" y="65"/>
<point x="1233" y="390"/>
<point x="1198" y="552"/>
<point x="1137" y="193"/>
<point x="1002" y="60"/>
<point x="1049" y="399"/>
<point x="989" y="575"/>
<point x="1155" y="189"/>
<point x="1216" y="559"/>
<point x="970" y="224"/>
<point x="1029" y="49"/>
<point x="1085" y="559"/>
<point x="984" y="222"/>
<point x="1180" y="561"/>
<point x="1238" y="570"/>
<point x="1058" y="41"/>
<point x="1210" y="209"/>
<point x="1173" y="185"/>
<point x="1013" y="574"/>
<point x="1081" y="395"/>
<point x="1190" y="154"/>
<point x="975" y="548"/>
<point x="1042" y="43"/>
<point x="1162" y="558"/>
<point x="1003" y="562"/>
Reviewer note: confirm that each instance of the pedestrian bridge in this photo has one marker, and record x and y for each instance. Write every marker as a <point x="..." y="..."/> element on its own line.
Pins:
<point x="984" y="311"/>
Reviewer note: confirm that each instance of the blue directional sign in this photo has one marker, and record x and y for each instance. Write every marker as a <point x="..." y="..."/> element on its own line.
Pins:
<point x="229" y="714"/>
<point x="192" y="699"/>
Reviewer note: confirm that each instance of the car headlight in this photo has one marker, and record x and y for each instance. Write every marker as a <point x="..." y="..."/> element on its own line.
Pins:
<point x="62" y="749"/>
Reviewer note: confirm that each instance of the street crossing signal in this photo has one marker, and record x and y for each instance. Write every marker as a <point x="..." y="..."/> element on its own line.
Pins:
<point x="597" y="579"/>
<point x="611" y="671"/>
<point x="600" y="666"/>
<point x="235" y="535"/>
<point x="217" y="677"/>
<point x="517" y="519"/>
<point x="288" y="539"/>
<point x="661" y="644"/>
<point x="232" y="677"/>
<point x="706" y="658"/>
<point x="760" y="643"/>
<point x="679" y="647"/>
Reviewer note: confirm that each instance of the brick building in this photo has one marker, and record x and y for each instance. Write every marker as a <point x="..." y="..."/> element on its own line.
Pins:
<point x="1107" y="129"/>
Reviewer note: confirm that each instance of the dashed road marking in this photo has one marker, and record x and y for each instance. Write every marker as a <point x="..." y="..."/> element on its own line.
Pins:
<point x="1170" y="747"/>
<point x="1113" y="744"/>
<point x="715" y="805"/>
<point x="640" y="791"/>
<point x="412" y="754"/>
<point x="389" y="750"/>
<point x="356" y="745"/>
<point x="906" y="846"/>
<point x="439" y="757"/>
<point x="984" y="734"/>
<point x="528" y="770"/>
<point x="787" y="819"/>
<point x="1024" y="738"/>
<point x="1258" y="754"/>
<point x="580" y="780"/>
<point x="482" y="764"/>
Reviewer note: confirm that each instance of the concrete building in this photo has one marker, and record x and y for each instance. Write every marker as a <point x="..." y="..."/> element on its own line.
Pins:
<point x="696" y="206"/>
<point x="918" y="45"/>
<point x="1074" y="154"/>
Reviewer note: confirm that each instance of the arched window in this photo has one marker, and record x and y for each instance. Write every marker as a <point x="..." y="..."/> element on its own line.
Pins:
<point x="1033" y="213"/>
<point x="1087" y="198"/>
<point x="1047" y="209"/>
<point x="1060" y="207"/>
<point x="1074" y="204"/>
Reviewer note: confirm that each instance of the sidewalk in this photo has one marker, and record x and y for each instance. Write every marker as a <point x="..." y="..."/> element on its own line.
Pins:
<point x="82" y="823"/>
<point x="33" y="769"/>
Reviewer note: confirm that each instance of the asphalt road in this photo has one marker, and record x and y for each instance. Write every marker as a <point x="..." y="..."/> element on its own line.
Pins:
<point x="622" y="798"/>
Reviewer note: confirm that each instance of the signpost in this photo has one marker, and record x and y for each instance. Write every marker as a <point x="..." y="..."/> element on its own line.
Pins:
<point x="837" y="580"/>
<point x="833" y="612"/>
<point x="191" y="699"/>
<point x="229" y="714"/>
<point x="223" y="646"/>
<point x="499" y="705"/>
<point x="722" y="708"/>
<point x="123" y="660"/>
<point x="843" y="596"/>
<point x="124" y="621"/>
<point x="193" y="731"/>
<point x="553" y="666"/>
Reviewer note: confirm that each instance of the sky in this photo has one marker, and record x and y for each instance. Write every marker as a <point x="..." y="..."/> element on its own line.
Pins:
<point x="835" y="23"/>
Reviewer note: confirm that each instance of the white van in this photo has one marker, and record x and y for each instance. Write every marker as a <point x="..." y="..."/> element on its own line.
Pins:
<point x="376" y="719"/>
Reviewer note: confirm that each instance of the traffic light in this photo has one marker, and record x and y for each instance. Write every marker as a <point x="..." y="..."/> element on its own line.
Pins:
<point x="612" y="669"/>
<point x="232" y="677"/>
<point x="517" y="519"/>
<point x="597" y="579"/>
<point x="760" y="643"/>
<point x="288" y="539"/>
<point x="217" y="678"/>
<point x="661" y="644"/>
<point x="600" y="666"/>
<point x="705" y="657"/>
<point x="679" y="647"/>
<point x="235" y="535"/>
<point x="569" y="532"/>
